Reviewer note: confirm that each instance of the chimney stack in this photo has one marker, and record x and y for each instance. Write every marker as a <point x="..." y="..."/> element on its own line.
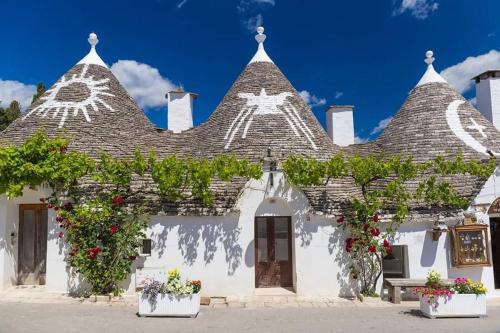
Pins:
<point x="340" y="124"/>
<point x="180" y="110"/>
<point x="488" y="95"/>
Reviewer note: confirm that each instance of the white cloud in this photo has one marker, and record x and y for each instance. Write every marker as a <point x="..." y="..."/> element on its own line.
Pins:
<point x="15" y="90"/>
<point x="338" y="94"/>
<point x="253" y="22"/>
<point x="459" y="75"/>
<point x="420" y="9"/>
<point x="182" y="3"/>
<point x="358" y="139"/>
<point x="143" y="82"/>
<point x="312" y="100"/>
<point x="381" y="126"/>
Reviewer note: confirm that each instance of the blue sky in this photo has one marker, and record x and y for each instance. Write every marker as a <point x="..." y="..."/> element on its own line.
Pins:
<point x="366" y="53"/>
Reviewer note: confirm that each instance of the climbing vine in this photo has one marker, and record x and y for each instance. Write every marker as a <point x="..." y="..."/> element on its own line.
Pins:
<point x="93" y="199"/>
<point x="383" y="193"/>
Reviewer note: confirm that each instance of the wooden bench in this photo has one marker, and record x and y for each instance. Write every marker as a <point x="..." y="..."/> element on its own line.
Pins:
<point x="394" y="286"/>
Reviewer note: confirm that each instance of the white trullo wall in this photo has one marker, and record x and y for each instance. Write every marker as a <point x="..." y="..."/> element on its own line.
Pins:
<point x="219" y="251"/>
<point x="424" y="254"/>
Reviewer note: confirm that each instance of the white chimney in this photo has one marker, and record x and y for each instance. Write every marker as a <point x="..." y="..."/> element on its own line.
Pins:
<point x="340" y="124"/>
<point x="180" y="110"/>
<point x="488" y="95"/>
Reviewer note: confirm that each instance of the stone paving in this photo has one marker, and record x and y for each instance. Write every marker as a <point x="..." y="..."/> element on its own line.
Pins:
<point x="38" y="294"/>
<point x="121" y="317"/>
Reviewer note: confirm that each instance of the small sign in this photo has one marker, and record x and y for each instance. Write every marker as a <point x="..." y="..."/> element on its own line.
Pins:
<point x="154" y="273"/>
<point x="470" y="245"/>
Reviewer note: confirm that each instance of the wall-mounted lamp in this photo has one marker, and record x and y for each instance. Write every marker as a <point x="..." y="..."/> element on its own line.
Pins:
<point x="439" y="228"/>
<point x="272" y="168"/>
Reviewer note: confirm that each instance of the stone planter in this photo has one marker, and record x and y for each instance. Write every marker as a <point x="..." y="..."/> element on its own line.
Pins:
<point x="169" y="305"/>
<point x="460" y="305"/>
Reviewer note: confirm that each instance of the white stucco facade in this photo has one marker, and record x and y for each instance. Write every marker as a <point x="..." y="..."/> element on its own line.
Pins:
<point x="220" y="251"/>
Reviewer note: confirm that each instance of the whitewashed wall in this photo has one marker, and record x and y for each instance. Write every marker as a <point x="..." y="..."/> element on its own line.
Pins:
<point x="425" y="255"/>
<point x="220" y="250"/>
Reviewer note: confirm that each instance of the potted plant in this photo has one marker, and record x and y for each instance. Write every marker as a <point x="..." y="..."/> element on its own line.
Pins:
<point x="173" y="298"/>
<point x="463" y="298"/>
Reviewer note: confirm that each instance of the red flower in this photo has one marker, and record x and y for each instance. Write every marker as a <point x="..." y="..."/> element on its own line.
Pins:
<point x="114" y="229"/>
<point x="375" y="218"/>
<point x="388" y="250"/>
<point x="118" y="200"/>
<point x="349" y="242"/>
<point x="372" y="249"/>
<point x="386" y="243"/>
<point x="56" y="208"/>
<point x="50" y="206"/>
<point x="366" y="226"/>
<point x="340" y="220"/>
<point x="59" y="219"/>
<point x="93" y="252"/>
<point x="375" y="232"/>
<point x="68" y="206"/>
<point x="61" y="234"/>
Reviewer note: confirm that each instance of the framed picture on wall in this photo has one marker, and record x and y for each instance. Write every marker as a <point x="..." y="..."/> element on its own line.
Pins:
<point x="470" y="245"/>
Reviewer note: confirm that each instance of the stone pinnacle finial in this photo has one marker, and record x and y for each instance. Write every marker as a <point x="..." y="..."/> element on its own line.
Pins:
<point x="93" y="39"/>
<point x="429" y="59"/>
<point x="260" y="37"/>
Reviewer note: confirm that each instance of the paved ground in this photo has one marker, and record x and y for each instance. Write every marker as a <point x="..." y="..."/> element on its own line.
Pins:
<point x="54" y="318"/>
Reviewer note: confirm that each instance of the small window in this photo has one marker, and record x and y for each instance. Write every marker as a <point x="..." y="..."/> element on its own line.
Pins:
<point x="145" y="247"/>
<point x="396" y="265"/>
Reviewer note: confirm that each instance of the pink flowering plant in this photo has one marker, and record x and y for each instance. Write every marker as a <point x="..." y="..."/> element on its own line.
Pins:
<point x="467" y="286"/>
<point x="434" y="289"/>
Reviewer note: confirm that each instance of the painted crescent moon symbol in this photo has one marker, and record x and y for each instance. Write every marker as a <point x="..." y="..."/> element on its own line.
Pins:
<point x="455" y="125"/>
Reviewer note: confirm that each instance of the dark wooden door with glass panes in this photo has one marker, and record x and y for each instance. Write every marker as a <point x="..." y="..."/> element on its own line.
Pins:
<point x="32" y="255"/>
<point x="495" y="248"/>
<point x="273" y="252"/>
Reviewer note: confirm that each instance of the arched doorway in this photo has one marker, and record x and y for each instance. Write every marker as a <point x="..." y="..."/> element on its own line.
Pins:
<point x="494" y="215"/>
<point x="273" y="245"/>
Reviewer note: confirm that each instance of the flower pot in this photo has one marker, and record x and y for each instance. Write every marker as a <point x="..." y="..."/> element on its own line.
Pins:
<point x="460" y="305"/>
<point x="170" y="305"/>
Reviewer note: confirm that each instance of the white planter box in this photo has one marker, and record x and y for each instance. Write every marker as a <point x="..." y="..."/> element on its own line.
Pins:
<point x="170" y="305"/>
<point x="460" y="305"/>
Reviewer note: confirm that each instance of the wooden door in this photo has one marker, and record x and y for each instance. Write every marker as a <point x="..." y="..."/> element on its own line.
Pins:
<point x="273" y="252"/>
<point x="495" y="248"/>
<point x="32" y="250"/>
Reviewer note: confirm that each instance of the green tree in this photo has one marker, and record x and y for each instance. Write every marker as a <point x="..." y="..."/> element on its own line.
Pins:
<point x="384" y="196"/>
<point x="40" y="90"/>
<point x="9" y="114"/>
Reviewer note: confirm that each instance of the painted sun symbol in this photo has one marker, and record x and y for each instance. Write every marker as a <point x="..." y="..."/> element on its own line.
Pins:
<point x="79" y="93"/>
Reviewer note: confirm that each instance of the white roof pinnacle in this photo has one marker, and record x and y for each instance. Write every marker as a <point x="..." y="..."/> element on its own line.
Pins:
<point x="430" y="74"/>
<point x="261" y="55"/>
<point x="92" y="58"/>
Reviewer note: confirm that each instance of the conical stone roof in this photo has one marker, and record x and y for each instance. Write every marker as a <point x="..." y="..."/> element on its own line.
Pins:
<point x="91" y="108"/>
<point x="437" y="120"/>
<point x="262" y="110"/>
